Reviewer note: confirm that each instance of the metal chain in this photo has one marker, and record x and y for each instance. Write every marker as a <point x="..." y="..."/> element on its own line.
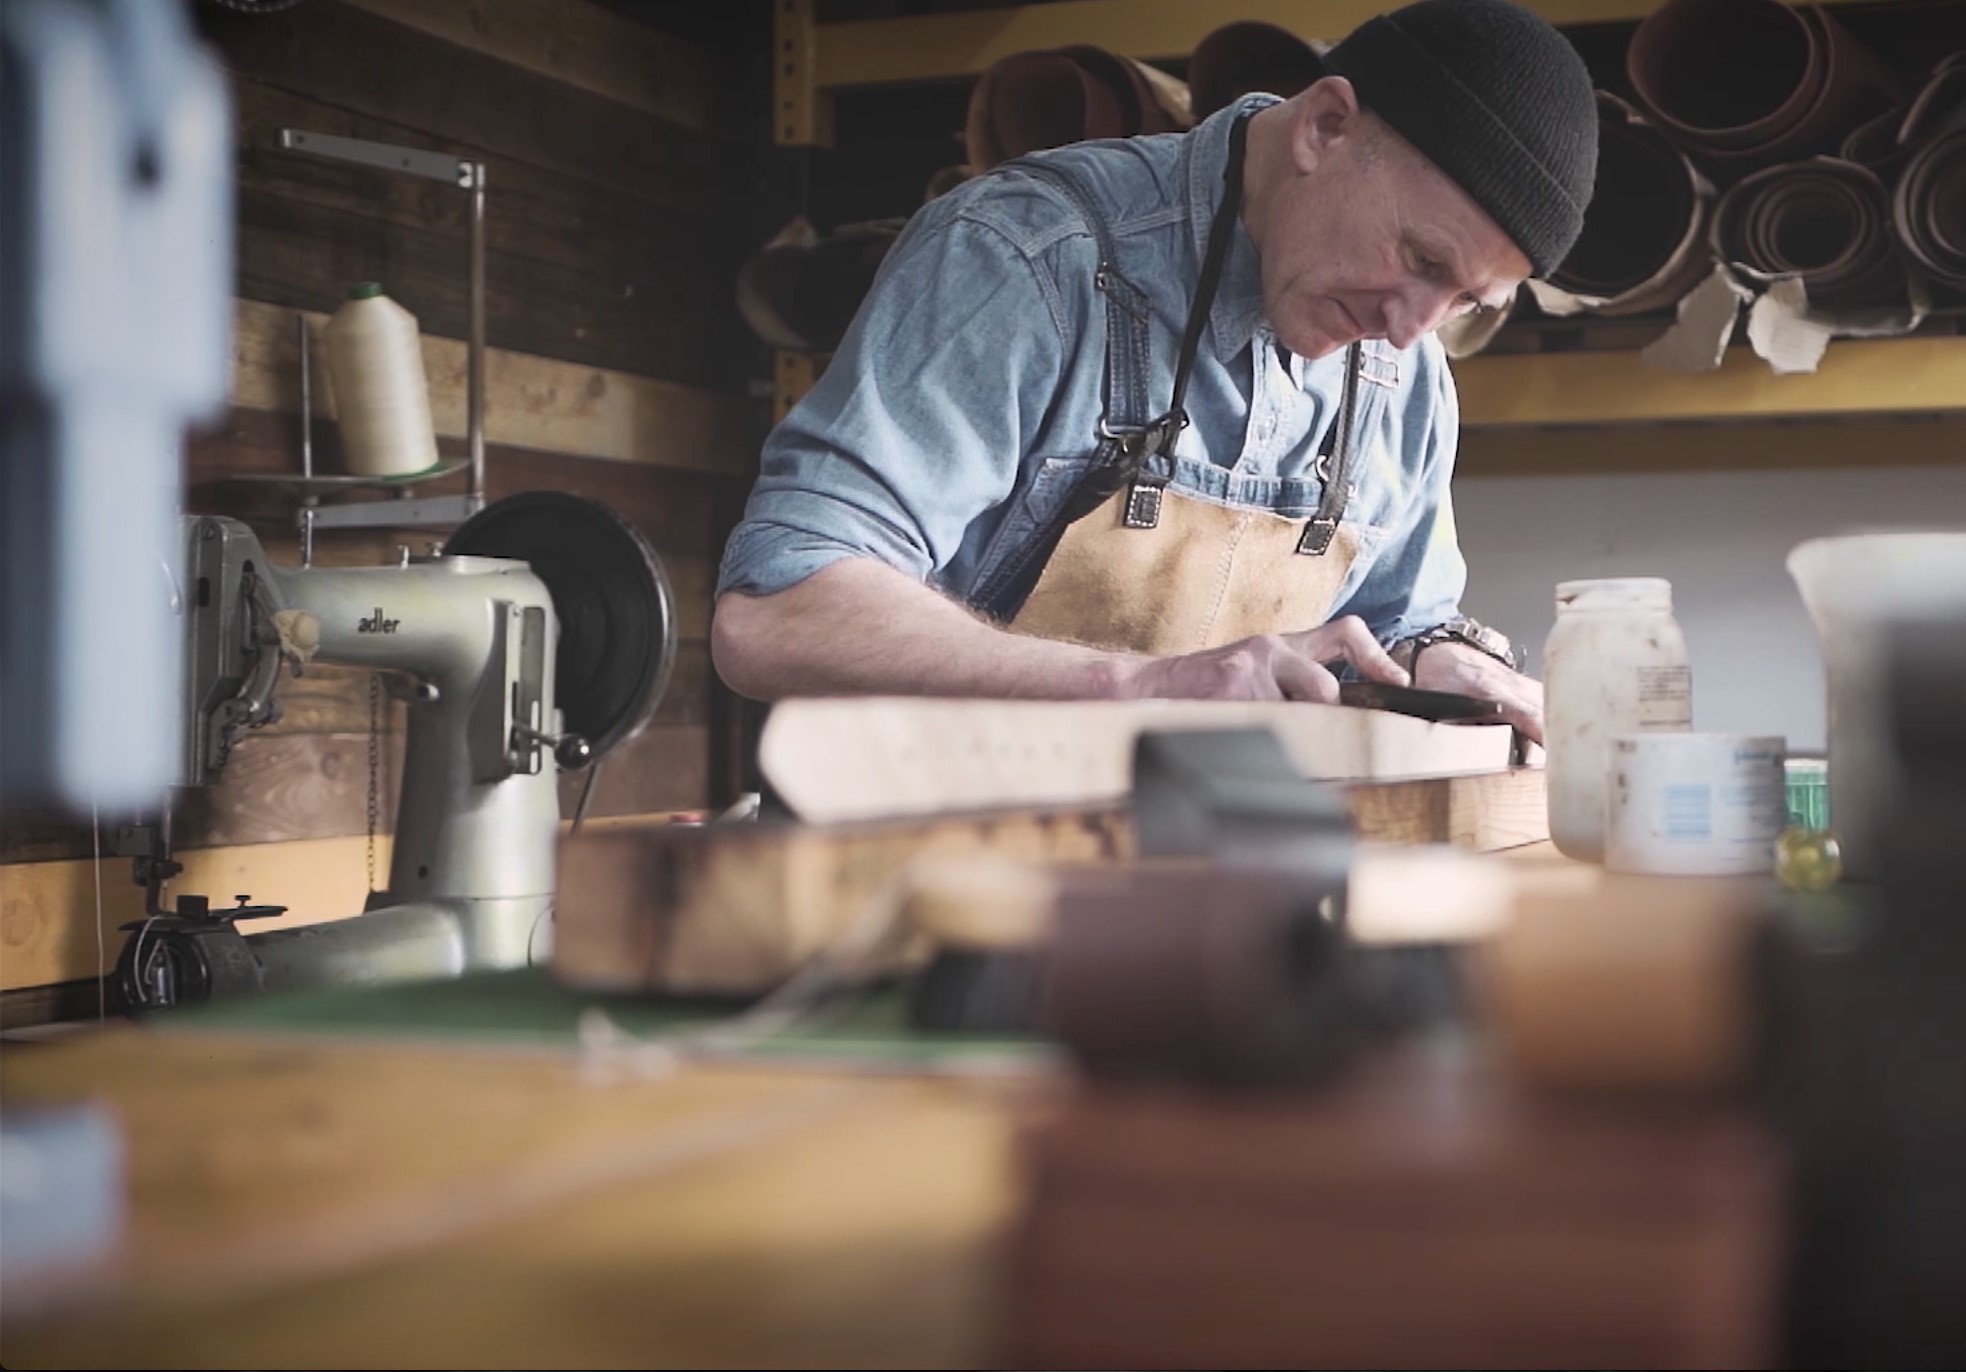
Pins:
<point x="375" y="763"/>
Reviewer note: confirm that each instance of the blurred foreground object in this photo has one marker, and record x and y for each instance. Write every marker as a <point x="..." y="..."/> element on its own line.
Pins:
<point x="115" y="308"/>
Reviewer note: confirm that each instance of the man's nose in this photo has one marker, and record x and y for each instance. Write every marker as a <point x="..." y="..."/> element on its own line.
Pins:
<point x="1411" y="317"/>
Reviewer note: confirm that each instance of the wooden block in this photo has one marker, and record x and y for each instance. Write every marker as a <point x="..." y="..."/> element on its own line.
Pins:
<point x="737" y="909"/>
<point x="1487" y="812"/>
<point x="851" y="759"/>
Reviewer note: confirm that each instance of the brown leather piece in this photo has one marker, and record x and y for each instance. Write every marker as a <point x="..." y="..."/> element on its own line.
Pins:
<point x="1245" y="57"/>
<point x="1928" y="204"/>
<point x="1187" y="973"/>
<point x="1826" y="220"/>
<point x="800" y="291"/>
<point x="1646" y="225"/>
<point x="1030" y="101"/>
<point x="1754" y="82"/>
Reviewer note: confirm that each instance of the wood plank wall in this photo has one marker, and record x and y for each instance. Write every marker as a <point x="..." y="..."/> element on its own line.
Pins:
<point x="617" y="370"/>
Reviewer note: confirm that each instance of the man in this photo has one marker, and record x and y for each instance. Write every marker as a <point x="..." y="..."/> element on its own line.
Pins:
<point x="1164" y="416"/>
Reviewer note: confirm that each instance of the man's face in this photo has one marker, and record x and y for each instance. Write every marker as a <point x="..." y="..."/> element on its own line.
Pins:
<point x="1379" y="243"/>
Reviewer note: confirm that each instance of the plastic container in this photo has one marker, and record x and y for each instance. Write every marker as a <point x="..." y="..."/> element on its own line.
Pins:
<point x="1856" y="587"/>
<point x="1615" y="663"/>
<point x="382" y="402"/>
<point x="1687" y="804"/>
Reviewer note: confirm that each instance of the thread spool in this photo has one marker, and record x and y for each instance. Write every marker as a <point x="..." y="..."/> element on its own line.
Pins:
<point x="1694" y="804"/>
<point x="381" y="399"/>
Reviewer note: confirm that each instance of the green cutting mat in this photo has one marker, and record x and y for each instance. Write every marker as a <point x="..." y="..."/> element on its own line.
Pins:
<point x="528" y="1007"/>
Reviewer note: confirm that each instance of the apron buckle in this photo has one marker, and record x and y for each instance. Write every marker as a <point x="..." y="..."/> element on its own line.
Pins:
<point x="1142" y="506"/>
<point x="1315" y="541"/>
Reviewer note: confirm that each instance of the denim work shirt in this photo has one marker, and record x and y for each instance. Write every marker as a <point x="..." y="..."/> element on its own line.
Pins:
<point x="964" y="403"/>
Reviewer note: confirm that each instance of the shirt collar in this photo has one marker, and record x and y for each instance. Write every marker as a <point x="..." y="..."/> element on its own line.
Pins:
<point x="1238" y="309"/>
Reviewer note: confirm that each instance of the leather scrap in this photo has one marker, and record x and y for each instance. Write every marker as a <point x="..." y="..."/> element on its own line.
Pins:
<point x="1030" y="101"/>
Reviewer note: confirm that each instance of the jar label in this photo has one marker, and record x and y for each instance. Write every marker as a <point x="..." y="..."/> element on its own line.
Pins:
<point x="1665" y="697"/>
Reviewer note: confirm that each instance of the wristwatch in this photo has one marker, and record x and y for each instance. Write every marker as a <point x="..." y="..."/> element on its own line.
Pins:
<point x="1461" y="629"/>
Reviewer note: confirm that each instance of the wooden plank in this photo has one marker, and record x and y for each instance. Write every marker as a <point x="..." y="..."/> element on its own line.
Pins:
<point x="677" y="328"/>
<point x="1857" y="376"/>
<point x="843" y="759"/>
<point x="1767" y="445"/>
<point x="919" y="48"/>
<point x="581" y="44"/>
<point x="305" y="784"/>
<point x="457" y="97"/>
<point x="530" y="401"/>
<point x="684" y="514"/>
<point x="665" y="232"/>
<point x="254" y="1165"/>
<point x="281" y="787"/>
<point x="344" y="1194"/>
<point x="48" y="923"/>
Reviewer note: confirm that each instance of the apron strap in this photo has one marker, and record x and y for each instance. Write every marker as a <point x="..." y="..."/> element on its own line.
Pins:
<point x="1128" y="341"/>
<point x="1334" y="465"/>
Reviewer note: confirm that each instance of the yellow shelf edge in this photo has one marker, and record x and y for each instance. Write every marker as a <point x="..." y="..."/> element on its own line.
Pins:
<point x="1857" y="376"/>
<point x="873" y="52"/>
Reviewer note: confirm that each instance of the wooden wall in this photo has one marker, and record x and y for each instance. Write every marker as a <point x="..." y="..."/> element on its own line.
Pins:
<point x="617" y="160"/>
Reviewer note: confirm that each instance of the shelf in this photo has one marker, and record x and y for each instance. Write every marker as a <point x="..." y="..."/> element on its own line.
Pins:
<point x="1921" y="375"/>
<point x="1857" y="377"/>
<point x="872" y="52"/>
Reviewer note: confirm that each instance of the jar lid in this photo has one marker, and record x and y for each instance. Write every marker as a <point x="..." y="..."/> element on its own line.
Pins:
<point x="365" y="290"/>
<point x="1615" y="593"/>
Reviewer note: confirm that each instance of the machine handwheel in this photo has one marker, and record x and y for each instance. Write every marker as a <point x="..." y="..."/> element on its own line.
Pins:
<point x="616" y="609"/>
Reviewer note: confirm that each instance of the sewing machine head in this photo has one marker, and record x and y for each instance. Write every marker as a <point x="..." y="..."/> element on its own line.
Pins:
<point x="542" y="636"/>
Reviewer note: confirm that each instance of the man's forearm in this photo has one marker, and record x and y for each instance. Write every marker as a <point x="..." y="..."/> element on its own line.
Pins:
<point x="860" y="627"/>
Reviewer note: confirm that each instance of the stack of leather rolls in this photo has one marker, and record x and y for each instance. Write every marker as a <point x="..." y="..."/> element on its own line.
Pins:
<point x="801" y="290"/>
<point x="1769" y="139"/>
<point x="1754" y="135"/>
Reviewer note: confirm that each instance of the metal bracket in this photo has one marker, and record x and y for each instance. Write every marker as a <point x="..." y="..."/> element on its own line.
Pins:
<point x="802" y="109"/>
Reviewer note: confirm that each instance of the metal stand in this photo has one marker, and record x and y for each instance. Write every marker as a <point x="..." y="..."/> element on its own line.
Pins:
<point x="407" y="512"/>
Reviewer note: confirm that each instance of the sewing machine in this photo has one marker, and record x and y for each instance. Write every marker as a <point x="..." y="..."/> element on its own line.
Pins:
<point x="542" y="636"/>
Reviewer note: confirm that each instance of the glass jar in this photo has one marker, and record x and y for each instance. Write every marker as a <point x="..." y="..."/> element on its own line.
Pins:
<point x="1615" y="663"/>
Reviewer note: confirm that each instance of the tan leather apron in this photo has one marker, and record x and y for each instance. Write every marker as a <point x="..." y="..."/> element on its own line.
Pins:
<point x="1152" y="569"/>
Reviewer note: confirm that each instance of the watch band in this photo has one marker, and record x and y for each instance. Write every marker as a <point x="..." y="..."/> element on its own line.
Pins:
<point x="1480" y="637"/>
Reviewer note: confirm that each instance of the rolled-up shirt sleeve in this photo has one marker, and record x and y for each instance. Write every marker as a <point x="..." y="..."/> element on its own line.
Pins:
<point x="1418" y="579"/>
<point x="918" y="424"/>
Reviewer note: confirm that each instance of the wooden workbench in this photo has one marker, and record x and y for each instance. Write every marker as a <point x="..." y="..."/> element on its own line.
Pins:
<point x="296" y="1201"/>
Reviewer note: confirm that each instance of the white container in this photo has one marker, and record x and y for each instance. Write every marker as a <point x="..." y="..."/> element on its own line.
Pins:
<point x="382" y="403"/>
<point x="1615" y="663"/>
<point x="1686" y="804"/>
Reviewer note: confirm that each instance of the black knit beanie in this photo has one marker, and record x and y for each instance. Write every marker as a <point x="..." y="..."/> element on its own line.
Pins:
<point x="1494" y="97"/>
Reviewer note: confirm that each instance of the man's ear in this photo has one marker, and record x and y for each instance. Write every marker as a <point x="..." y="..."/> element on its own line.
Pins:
<point x="1328" y="113"/>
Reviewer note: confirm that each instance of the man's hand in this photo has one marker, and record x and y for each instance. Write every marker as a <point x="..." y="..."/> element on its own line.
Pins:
<point x="1272" y="667"/>
<point x="1470" y="672"/>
